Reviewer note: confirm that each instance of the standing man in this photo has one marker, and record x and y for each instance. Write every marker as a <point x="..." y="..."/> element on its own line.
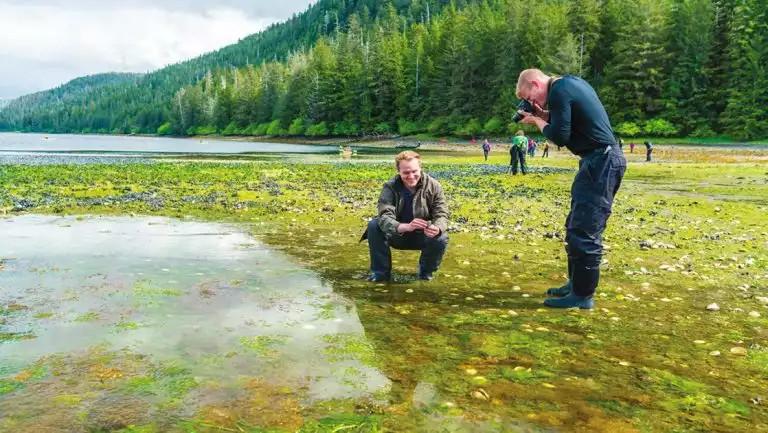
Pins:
<point x="648" y="150"/>
<point x="546" y="149"/>
<point x="413" y="215"/>
<point x="517" y="153"/>
<point x="569" y="113"/>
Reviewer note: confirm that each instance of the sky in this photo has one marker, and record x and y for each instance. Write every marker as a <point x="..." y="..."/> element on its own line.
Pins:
<point x="45" y="43"/>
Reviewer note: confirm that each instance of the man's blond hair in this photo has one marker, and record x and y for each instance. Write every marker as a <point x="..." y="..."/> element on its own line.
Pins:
<point x="526" y="78"/>
<point x="520" y="132"/>
<point x="406" y="155"/>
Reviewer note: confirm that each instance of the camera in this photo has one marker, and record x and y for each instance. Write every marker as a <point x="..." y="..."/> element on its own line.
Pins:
<point x="522" y="106"/>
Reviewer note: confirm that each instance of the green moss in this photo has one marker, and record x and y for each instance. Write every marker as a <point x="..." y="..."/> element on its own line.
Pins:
<point x="87" y="317"/>
<point x="263" y="345"/>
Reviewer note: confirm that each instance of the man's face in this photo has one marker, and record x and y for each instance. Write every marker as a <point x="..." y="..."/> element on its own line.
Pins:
<point x="410" y="172"/>
<point x="536" y="94"/>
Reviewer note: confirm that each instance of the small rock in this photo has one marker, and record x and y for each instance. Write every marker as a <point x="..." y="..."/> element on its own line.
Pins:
<point x="699" y="342"/>
<point x="516" y="289"/>
<point x="409" y="291"/>
<point x="542" y="329"/>
<point x="715" y="353"/>
<point x="762" y="300"/>
<point x="713" y="307"/>
<point x="624" y="363"/>
<point x="740" y="351"/>
<point x="512" y="313"/>
<point x="470" y="371"/>
<point x="548" y="385"/>
<point x="754" y="314"/>
<point x="480" y="394"/>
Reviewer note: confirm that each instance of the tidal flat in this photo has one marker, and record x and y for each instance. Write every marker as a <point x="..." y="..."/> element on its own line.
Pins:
<point x="230" y="296"/>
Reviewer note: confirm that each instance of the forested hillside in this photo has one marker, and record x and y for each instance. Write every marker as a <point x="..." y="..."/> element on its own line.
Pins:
<point x="662" y="67"/>
<point x="143" y="105"/>
<point x="69" y="101"/>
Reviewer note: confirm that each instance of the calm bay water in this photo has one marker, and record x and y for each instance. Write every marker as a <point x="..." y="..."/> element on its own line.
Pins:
<point x="14" y="142"/>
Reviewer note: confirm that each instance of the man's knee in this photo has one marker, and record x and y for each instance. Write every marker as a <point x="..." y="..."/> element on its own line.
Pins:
<point x="580" y="246"/>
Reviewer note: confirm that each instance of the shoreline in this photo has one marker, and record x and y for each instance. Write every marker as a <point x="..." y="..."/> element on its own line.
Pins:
<point x="447" y="144"/>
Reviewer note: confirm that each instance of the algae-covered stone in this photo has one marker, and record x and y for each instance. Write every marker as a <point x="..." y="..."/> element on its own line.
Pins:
<point x="740" y="351"/>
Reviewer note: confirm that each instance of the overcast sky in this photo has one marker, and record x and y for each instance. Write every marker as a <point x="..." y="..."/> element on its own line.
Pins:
<point x="44" y="43"/>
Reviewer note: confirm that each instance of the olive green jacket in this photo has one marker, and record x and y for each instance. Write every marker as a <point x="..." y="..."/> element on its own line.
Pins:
<point x="428" y="203"/>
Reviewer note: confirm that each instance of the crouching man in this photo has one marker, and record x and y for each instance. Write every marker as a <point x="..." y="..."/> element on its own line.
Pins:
<point x="413" y="215"/>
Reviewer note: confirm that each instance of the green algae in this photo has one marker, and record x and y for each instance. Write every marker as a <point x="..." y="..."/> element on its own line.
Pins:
<point x="630" y="367"/>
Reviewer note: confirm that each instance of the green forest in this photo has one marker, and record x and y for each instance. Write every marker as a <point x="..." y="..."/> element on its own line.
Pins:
<point x="663" y="68"/>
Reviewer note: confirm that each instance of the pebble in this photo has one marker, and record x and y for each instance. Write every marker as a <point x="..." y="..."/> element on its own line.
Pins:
<point x="470" y="371"/>
<point x="512" y="313"/>
<point x="740" y="351"/>
<point x="624" y="363"/>
<point x="480" y="394"/>
<point x="548" y="385"/>
<point x="542" y="329"/>
<point x="409" y="291"/>
<point x="762" y="300"/>
<point x="754" y="314"/>
<point x="713" y="307"/>
<point x="715" y="353"/>
<point x="699" y="342"/>
<point x="516" y="289"/>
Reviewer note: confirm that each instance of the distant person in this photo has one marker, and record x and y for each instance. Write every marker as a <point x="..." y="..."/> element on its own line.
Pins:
<point x="632" y="147"/>
<point x="546" y="149"/>
<point x="531" y="147"/>
<point x="517" y="153"/>
<point x="621" y="144"/>
<point x="648" y="150"/>
<point x="412" y="215"/>
<point x="486" y="148"/>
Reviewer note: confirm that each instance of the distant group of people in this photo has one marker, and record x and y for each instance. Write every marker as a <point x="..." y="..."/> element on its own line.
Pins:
<point x="648" y="148"/>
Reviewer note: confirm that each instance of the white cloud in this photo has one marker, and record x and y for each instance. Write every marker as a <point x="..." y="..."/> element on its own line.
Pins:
<point x="68" y="41"/>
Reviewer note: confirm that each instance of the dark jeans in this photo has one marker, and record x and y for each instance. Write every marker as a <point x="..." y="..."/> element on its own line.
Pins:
<point x="546" y="153"/>
<point x="517" y="156"/>
<point x="594" y="187"/>
<point x="432" y="249"/>
<point x="485" y="154"/>
<point x="648" y="154"/>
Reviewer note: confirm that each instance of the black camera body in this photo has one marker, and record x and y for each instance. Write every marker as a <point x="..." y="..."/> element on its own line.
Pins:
<point x="523" y="106"/>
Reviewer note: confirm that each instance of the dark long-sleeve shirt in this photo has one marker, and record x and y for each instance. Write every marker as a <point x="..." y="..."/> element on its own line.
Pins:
<point x="577" y="118"/>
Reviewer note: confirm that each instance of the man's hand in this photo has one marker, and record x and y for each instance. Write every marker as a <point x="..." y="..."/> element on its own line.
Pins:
<point x="416" y="224"/>
<point x="530" y="119"/>
<point x="432" y="231"/>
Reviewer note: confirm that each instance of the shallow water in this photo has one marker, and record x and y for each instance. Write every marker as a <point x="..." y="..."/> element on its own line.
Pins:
<point x="206" y="297"/>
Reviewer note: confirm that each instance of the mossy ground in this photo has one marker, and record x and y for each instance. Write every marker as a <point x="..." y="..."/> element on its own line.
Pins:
<point x="687" y="230"/>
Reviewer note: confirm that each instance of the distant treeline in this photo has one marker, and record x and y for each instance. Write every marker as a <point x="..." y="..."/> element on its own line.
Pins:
<point x="695" y="68"/>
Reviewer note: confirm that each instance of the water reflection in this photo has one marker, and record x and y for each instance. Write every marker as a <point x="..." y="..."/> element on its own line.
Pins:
<point x="207" y="297"/>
